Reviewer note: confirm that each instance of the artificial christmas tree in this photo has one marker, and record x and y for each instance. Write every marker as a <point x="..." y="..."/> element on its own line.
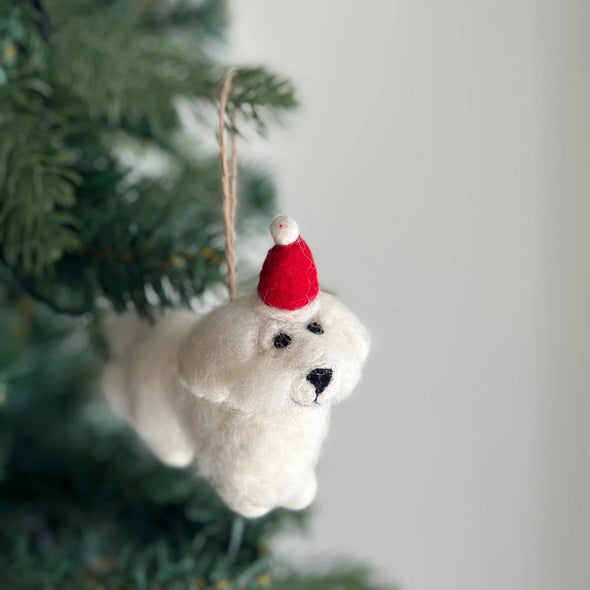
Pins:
<point x="89" y="90"/>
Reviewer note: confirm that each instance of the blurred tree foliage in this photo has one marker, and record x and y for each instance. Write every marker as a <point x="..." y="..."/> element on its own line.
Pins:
<point x="84" y="84"/>
<point x="82" y="81"/>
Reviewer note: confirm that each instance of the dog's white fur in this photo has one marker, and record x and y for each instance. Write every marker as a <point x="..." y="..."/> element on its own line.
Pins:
<point x="213" y="388"/>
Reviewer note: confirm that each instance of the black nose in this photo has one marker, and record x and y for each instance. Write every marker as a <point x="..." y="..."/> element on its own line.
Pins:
<point x="320" y="379"/>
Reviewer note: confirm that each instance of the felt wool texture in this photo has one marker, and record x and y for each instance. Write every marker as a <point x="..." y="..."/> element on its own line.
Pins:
<point x="288" y="279"/>
<point x="216" y="390"/>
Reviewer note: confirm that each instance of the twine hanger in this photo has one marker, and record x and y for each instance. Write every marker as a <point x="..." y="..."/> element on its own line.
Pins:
<point x="229" y="181"/>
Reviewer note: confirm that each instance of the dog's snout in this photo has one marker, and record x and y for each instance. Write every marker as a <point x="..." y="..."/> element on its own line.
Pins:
<point x="320" y="379"/>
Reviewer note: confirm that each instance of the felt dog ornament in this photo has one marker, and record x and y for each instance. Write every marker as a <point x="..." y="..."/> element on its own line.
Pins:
<point x="245" y="390"/>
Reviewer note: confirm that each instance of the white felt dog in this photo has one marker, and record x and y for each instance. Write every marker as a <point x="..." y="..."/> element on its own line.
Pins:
<point x="245" y="390"/>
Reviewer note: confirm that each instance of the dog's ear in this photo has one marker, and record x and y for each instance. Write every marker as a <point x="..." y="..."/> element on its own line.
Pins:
<point x="349" y="341"/>
<point x="219" y="350"/>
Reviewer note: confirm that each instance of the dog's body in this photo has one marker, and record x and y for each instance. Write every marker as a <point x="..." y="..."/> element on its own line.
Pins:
<point x="245" y="391"/>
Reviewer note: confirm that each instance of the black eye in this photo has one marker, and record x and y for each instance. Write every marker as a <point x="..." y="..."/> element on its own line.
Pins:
<point x="282" y="340"/>
<point x="315" y="328"/>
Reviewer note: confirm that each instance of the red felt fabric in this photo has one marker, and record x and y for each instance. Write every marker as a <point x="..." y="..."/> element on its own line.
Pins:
<point x="288" y="279"/>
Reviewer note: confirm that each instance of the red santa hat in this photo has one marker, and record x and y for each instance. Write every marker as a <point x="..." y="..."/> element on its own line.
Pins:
<point x="288" y="279"/>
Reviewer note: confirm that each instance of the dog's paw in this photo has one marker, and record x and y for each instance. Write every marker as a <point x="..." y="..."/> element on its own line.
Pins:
<point x="178" y="458"/>
<point x="251" y="510"/>
<point x="172" y="451"/>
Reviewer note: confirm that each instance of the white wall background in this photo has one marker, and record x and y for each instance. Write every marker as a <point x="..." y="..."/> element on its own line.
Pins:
<point x="440" y="169"/>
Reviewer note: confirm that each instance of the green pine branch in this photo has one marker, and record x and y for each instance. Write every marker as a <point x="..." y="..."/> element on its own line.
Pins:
<point x="259" y="94"/>
<point x="201" y="22"/>
<point x="84" y="77"/>
<point x="37" y="184"/>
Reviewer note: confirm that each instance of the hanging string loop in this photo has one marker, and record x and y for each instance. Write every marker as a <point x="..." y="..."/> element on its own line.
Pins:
<point x="229" y="180"/>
